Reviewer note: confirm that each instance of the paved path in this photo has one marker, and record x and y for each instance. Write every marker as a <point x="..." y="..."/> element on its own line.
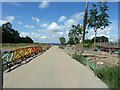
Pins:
<point x="52" y="69"/>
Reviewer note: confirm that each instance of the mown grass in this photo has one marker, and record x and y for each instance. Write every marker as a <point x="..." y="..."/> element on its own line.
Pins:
<point x="110" y="76"/>
<point x="22" y="44"/>
<point x="11" y="46"/>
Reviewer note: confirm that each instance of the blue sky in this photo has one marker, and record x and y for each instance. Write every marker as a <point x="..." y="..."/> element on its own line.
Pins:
<point x="47" y="21"/>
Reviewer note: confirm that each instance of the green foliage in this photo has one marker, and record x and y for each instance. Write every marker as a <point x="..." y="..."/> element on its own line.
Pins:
<point x="87" y="41"/>
<point x="71" y="41"/>
<point x="62" y="40"/>
<point x="109" y="75"/>
<point x="26" y="39"/>
<point x="87" y="45"/>
<point x="98" y="18"/>
<point x="75" y="34"/>
<point x="9" y="35"/>
<point x="78" y="58"/>
<point x="62" y="47"/>
<point x="102" y="39"/>
<point x="22" y="44"/>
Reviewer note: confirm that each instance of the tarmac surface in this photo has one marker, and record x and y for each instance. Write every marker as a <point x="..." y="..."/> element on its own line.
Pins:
<point x="52" y="69"/>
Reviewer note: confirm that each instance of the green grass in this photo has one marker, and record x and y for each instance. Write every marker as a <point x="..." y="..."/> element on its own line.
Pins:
<point x="21" y="44"/>
<point x="78" y="58"/>
<point x="11" y="46"/>
<point x="88" y="45"/>
<point x="110" y="76"/>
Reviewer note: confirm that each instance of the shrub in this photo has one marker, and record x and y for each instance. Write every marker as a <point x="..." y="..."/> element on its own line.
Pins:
<point x="109" y="75"/>
<point x="61" y="47"/>
<point x="78" y="58"/>
<point x="87" y="45"/>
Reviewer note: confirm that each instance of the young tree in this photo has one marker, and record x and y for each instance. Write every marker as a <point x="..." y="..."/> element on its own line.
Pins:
<point x="62" y="40"/>
<point x="71" y="41"/>
<point x="98" y="19"/>
<point x="75" y="33"/>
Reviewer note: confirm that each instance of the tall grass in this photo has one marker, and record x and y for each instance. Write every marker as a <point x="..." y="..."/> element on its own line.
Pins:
<point x="109" y="75"/>
<point x="78" y="58"/>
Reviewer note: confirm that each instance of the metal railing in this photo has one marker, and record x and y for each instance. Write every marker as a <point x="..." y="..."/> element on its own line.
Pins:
<point x="89" y="63"/>
<point x="12" y="57"/>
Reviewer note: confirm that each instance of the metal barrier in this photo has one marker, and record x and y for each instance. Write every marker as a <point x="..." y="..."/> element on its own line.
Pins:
<point x="10" y="57"/>
<point x="85" y="61"/>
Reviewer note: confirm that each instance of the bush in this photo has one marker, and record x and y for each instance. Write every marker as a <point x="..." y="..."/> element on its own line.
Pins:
<point x="61" y="47"/>
<point x="109" y="75"/>
<point x="87" y="45"/>
<point x="78" y="58"/>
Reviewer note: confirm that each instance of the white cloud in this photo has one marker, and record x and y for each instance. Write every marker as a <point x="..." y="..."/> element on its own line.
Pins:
<point x="62" y="18"/>
<point x="78" y="16"/>
<point x="43" y="25"/>
<point x="7" y="19"/>
<point x="19" y="22"/>
<point x="44" y="4"/>
<point x="43" y="37"/>
<point x="37" y="20"/>
<point x="70" y="22"/>
<point x="24" y="34"/>
<point x="10" y="18"/>
<point x="29" y="26"/>
<point x="55" y="27"/>
<point x="105" y="32"/>
<point x="53" y="31"/>
<point x="16" y="4"/>
<point x="2" y="22"/>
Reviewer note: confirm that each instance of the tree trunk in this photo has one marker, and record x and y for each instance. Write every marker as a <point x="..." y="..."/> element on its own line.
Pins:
<point x="95" y="48"/>
<point x="84" y="27"/>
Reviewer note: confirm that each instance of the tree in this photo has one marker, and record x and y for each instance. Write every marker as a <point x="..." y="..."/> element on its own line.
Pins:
<point x="87" y="41"/>
<point x="85" y="22"/>
<point x="62" y="40"/>
<point x="75" y="33"/>
<point x="9" y="35"/>
<point x="101" y="39"/>
<point x="71" y="41"/>
<point x="119" y="41"/>
<point x="98" y="18"/>
<point x="84" y="27"/>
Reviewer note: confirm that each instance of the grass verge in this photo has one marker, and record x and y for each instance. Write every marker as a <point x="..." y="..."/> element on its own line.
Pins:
<point x="110" y="76"/>
<point x="78" y="58"/>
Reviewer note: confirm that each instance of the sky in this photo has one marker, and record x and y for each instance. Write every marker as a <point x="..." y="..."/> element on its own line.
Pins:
<point x="46" y="22"/>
